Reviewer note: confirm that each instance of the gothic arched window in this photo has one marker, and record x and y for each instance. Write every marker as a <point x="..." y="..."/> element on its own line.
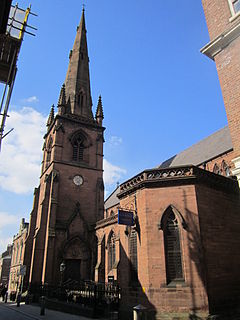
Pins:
<point x="216" y="169"/>
<point x="111" y="251"/>
<point x="78" y="148"/>
<point x="226" y="169"/>
<point x="173" y="255"/>
<point x="133" y="255"/>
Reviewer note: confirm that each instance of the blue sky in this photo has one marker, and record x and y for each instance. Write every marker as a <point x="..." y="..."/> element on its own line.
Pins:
<point x="160" y="94"/>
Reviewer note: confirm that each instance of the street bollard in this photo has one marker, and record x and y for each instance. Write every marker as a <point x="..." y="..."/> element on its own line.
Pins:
<point x="18" y="299"/>
<point x="139" y="312"/>
<point x="42" y="306"/>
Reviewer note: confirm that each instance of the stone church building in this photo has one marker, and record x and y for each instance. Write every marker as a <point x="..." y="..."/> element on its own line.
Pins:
<point x="180" y="254"/>
<point x="70" y="197"/>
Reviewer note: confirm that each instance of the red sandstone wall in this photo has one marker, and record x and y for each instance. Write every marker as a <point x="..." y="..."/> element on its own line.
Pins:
<point x="220" y="224"/>
<point x="152" y="289"/>
<point x="191" y="294"/>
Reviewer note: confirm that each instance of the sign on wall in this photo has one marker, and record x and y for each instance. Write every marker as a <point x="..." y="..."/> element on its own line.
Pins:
<point x="125" y="217"/>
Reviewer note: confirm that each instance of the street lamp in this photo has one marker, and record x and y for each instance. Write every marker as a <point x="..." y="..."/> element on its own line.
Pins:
<point x="62" y="269"/>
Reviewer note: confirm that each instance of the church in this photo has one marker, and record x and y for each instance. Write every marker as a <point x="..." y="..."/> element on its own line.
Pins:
<point x="177" y="255"/>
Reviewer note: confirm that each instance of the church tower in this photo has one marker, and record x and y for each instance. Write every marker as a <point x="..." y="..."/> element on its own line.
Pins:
<point x="223" y="21"/>
<point x="71" y="192"/>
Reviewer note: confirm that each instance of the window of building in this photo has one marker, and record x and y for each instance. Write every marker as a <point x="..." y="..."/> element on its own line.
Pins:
<point x="216" y="169"/>
<point x="133" y="256"/>
<point x="226" y="169"/>
<point x="78" y="149"/>
<point x="234" y="6"/>
<point x="16" y="257"/>
<point x="20" y="255"/>
<point x="49" y="151"/>
<point x="172" y="247"/>
<point x="111" y="251"/>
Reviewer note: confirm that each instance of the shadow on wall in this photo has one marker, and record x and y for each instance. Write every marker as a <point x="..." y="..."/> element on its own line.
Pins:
<point x="133" y="294"/>
<point x="195" y="254"/>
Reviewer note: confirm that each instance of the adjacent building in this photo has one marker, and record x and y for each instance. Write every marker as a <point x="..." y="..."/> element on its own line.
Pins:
<point x="5" y="262"/>
<point x="18" y="262"/>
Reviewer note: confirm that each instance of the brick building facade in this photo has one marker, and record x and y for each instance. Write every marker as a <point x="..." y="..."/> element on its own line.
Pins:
<point x="5" y="262"/>
<point x="19" y="259"/>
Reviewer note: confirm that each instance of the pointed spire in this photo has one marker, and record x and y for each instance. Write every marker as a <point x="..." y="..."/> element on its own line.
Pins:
<point x="51" y="116"/>
<point x="99" y="112"/>
<point x="77" y="80"/>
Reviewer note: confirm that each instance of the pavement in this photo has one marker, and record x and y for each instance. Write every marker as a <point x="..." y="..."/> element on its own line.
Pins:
<point x="33" y="312"/>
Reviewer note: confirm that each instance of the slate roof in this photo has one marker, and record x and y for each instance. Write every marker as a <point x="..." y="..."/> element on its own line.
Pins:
<point x="209" y="148"/>
<point x="112" y="200"/>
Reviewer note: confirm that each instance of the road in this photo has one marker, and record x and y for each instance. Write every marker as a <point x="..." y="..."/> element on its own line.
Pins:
<point x="10" y="311"/>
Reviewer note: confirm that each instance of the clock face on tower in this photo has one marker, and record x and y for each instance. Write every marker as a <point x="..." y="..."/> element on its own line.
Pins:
<point x="78" y="180"/>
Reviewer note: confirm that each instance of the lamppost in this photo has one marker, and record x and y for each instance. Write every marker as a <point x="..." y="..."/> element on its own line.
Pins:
<point x="62" y="269"/>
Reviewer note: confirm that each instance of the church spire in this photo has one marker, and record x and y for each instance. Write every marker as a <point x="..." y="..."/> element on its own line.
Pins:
<point x="99" y="112"/>
<point x="77" y="82"/>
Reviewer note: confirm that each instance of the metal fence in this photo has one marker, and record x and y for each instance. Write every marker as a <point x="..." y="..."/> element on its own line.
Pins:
<point x="101" y="297"/>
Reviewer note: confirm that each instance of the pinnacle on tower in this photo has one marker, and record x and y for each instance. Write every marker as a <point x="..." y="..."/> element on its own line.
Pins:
<point x="77" y="82"/>
<point x="62" y="101"/>
<point x="99" y="112"/>
<point x="62" y="96"/>
<point x="51" y="116"/>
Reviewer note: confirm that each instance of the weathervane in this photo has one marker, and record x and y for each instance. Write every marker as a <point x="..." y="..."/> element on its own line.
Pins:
<point x="83" y="6"/>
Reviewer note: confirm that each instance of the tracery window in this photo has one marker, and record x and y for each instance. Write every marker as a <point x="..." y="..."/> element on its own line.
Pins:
<point x="133" y="256"/>
<point x="172" y="246"/>
<point x="111" y="251"/>
<point x="78" y="148"/>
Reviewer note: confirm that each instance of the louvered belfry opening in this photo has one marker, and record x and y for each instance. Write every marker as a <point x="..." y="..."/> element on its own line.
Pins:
<point x="78" y="149"/>
<point x="111" y="251"/>
<point x="172" y="246"/>
<point x="133" y="256"/>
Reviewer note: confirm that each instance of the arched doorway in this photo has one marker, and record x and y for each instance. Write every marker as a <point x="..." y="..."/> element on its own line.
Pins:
<point x="77" y="260"/>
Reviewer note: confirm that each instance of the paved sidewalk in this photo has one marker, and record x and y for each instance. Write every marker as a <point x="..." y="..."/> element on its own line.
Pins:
<point x="33" y="312"/>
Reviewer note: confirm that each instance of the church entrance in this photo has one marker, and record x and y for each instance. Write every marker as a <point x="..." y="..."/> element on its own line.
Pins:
<point x="77" y="260"/>
<point x="73" y="270"/>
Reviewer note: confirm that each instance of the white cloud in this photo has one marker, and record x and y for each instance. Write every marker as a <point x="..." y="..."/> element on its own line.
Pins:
<point x="112" y="173"/>
<point x="32" y="99"/>
<point x="21" y="153"/>
<point x="8" y="219"/>
<point x="115" y="141"/>
<point x="9" y="224"/>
